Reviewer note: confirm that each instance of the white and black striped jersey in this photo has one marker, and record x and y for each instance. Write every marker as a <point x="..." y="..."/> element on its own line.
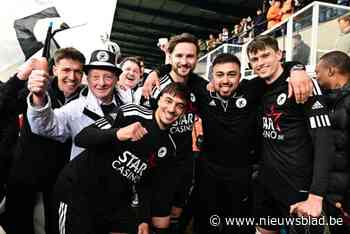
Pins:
<point x="296" y="142"/>
<point x="181" y="130"/>
<point x="109" y="168"/>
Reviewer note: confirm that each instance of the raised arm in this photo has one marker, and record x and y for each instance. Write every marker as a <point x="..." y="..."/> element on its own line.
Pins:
<point x="106" y="131"/>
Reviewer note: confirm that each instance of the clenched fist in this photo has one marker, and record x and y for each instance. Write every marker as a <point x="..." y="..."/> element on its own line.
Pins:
<point x="133" y="132"/>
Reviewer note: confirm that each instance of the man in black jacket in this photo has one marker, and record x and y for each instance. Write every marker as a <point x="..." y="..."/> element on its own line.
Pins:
<point x="37" y="160"/>
<point x="8" y="137"/>
<point x="129" y="153"/>
<point x="296" y="148"/>
<point x="333" y="74"/>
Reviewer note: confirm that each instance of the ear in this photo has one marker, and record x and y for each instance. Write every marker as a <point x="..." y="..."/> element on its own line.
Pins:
<point x="240" y="77"/>
<point x="331" y="71"/>
<point x="279" y="54"/>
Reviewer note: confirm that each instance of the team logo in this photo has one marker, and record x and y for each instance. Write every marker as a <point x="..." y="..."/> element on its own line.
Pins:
<point x="193" y="98"/>
<point x="162" y="152"/>
<point x="281" y="99"/>
<point x="241" y="102"/>
<point x="317" y="105"/>
<point x="212" y="103"/>
<point x="102" y="56"/>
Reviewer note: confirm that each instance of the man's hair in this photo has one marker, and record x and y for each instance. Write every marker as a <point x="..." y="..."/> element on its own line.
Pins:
<point x="345" y="17"/>
<point x="226" y="58"/>
<point x="261" y="43"/>
<point x="337" y="59"/>
<point x="131" y="59"/>
<point x="69" y="53"/>
<point x="140" y="59"/>
<point x="178" y="90"/>
<point x="297" y="36"/>
<point x="184" y="37"/>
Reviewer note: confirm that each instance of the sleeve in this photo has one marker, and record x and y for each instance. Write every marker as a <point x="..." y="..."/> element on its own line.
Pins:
<point x="13" y="96"/>
<point x="54" y="124"/>
<point x="320" y="131"/>
<point x="198" y="85"/>
<point x="288" y="65"/>
<point x="163" y="70"/>
<point x="100" y="133"/>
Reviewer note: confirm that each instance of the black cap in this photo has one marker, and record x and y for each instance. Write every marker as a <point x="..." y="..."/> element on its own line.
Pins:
<point x="102" y="59"/>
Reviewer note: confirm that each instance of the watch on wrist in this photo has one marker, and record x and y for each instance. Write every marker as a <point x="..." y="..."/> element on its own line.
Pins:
<point x="298" y="67"/>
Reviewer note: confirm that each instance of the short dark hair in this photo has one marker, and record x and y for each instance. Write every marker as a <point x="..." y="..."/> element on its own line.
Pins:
<point x="226" y="58"/>
<point x="184" y="37"/>
<point x="337" y="59"/>
<point x="131" y="59"/>
<point x="261" y="43"/>
<point x="69" y="53"/>
<point x="140" y="59"/>
<point x="177" y="89"/>
<point x="345" y="17"/>
<point x="297" y="36"/>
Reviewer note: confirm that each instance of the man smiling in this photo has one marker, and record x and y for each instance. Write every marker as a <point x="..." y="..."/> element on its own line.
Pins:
<point x="123" y="149"/>
<point x="98" y="99"/>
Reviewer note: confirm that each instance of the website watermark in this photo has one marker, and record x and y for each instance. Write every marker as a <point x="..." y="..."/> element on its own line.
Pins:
<point x="216" y="221"/>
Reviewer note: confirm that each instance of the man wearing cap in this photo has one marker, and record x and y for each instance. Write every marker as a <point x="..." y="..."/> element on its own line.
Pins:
<point x="97" y="100"/>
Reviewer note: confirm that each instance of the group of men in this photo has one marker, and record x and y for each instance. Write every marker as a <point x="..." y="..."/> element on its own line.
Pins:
<point x="110" y="161"/>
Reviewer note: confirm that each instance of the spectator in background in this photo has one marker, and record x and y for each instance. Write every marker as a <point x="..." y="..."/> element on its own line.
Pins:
<point x="225" y="34"/>
<point x="259" y="23"/>
<point x="248" y="29"/>
<point x="143" y="75"/>
<point x="219" y="40"/>
<point x="211" y="42"/>
<point x="343" y="2"/>
<point x="236" y="31"/>
<point x="343" y="41"/>
<point x="127" y="86"/>
<point x="287" y="9"/>
<point x="202" y="47"/>
<point x="301" y="51"/>
<point x="274" y="14"/>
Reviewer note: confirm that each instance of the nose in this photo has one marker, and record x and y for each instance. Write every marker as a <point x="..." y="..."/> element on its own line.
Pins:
<point x="183" y="60"/>
<point x="172" y="108"/>
<point x="101" y="81"/>
<point x="225" y="79"/>
<point x="71" y="75"/>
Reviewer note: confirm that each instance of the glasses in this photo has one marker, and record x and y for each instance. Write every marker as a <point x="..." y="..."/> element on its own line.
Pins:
<point x="68" y="70"/>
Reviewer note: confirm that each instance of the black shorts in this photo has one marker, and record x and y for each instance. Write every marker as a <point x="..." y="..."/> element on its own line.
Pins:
<point x="178" y="190"/>
<point x="83" y="213"/>
<point x="269" y="204"/>
<point x="184" y="184"/>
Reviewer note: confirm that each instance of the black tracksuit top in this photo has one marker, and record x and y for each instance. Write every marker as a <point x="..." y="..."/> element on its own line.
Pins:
<point x="296" y="143"/>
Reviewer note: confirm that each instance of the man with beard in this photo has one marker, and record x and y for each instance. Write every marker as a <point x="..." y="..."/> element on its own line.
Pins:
<point x="217" y="121"/>
<point x="37" y="160"/>
<point x="183" y="51"/>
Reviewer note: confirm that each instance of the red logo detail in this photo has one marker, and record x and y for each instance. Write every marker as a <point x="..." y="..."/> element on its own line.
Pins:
<point x="275" y="116"/>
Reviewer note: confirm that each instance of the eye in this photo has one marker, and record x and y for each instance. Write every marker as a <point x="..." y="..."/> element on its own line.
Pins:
<point x="231" y="75"/>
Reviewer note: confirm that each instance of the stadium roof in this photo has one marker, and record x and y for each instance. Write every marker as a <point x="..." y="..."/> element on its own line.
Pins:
<point x="138" y="24"/>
